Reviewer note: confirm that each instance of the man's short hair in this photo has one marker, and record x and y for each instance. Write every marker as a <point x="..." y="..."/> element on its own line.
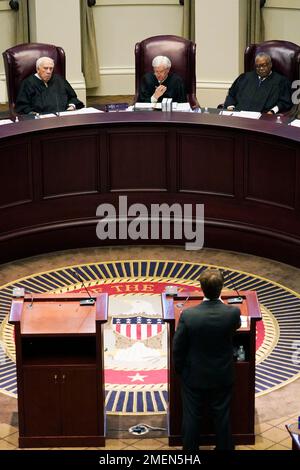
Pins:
<point x="211" y="281"/>
<point x="161" y="60"/>
<point x="261" y="55"/>
<point x="41" y="60"/>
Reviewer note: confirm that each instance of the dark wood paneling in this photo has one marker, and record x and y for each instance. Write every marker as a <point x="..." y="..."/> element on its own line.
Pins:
<point x="206" y="164"/>
<point x="80" y="415"/>
<point x="138" y="161"/>
<point x="270" y="173"/>
<point x="15" y="174"/>
<point x="64" y="168"/>
<point x="69" y="165"/>
<point x="42" y="390"/>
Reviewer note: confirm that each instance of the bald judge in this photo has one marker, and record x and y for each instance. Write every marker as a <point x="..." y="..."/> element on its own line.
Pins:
<point x="45" y="92"/>
<point x="262" y="90"/>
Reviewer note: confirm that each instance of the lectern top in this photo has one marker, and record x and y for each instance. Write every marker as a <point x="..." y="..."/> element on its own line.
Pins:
<point x="57" y="316"/>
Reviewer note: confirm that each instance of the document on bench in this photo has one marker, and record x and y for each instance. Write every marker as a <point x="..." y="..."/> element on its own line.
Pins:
<point x="224" y="112"/>
<point x="6" y="121"/>
<point x="295" y="123"/>
<point x="146" y="106"/>
<point x="247" y="114"/>
<point x="181" y="107"/>
<point x="89" y="110"/>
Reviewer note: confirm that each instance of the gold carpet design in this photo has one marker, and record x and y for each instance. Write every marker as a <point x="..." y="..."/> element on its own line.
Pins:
<point x="277" y="340"/>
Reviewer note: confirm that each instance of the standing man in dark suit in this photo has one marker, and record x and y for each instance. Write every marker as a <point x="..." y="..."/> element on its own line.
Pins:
<point x="203" y="357"/>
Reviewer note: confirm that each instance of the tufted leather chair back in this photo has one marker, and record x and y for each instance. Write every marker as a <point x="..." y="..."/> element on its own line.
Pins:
<point x="181" y="52"/>
<point x="285" y="57"/>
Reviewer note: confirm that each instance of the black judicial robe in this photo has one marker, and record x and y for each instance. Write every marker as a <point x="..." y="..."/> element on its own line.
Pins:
<point x="247" y="95"/>
<point x="173" y="82"/>
<point x="35" y="96"/>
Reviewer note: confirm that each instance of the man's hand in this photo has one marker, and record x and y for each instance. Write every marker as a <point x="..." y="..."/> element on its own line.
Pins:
<point x="71" y="107"/>
<point x="160" y="90"/>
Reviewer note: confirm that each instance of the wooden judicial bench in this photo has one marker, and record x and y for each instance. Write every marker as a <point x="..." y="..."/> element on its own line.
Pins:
<point x="243" y="403"/>
<point x="60" y="373"/>
<point x="55" y="172"/>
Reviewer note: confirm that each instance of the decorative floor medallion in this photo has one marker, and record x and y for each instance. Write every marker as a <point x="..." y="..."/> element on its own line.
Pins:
<point x="135" y="335"/>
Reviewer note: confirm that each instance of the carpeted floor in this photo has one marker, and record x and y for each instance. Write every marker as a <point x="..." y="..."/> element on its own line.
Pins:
<point x="273" y="410"/>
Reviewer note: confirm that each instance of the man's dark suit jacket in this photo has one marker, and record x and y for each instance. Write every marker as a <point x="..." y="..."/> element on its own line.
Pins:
<point x="202" y="346"/>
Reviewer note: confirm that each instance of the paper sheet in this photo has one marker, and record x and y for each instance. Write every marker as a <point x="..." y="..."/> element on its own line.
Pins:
<point x="147" y="106"/>
<point x="181" y="107"/>
<point x="80" y="111"/>
<point x="247" y="114"/>
<point x="6" y="121"/>
<point x="295" y="123"/>
<point x="226" y="113"/>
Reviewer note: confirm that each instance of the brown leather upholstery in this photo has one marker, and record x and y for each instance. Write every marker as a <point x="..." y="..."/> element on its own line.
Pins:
<point x="19" y="62"/>
<point x="285" y="57"/>
<point x="180" y="51"/>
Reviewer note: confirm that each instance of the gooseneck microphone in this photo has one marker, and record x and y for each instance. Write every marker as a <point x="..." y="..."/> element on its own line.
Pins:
<point x="182" y="304"/>
<point x="233" y="300"/>
<point x="90" y="300"/>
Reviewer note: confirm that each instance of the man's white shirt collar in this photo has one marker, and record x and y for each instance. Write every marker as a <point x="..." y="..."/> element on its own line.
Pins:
<point x="205" y="299"/>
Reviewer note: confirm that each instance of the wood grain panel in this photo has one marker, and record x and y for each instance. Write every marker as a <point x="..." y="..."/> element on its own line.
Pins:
<point x="69" y="165"/>
<point x="138" y="162"/>
<point x="206" y="164"/>
<point x="15" y="174"/>
<point x="270" y="173"/>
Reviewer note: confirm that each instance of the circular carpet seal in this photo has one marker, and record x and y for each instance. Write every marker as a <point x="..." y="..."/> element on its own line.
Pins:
<point x="143" y="389"/>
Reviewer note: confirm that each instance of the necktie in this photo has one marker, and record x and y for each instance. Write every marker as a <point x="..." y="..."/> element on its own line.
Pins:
<point x="260" y="80"/>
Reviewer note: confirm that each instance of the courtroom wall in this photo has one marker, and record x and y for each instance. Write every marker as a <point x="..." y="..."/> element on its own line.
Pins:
<point x="133" y="20"/>
<point x="6" y="40"/>
<point x="221" y="40"/>
<point x="282" y="19"/>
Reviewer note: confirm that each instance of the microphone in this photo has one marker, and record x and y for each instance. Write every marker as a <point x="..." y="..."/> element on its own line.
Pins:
<point x="19" y="292"/>
<point x="90" y="300"/>
<point x="182" y="304"/>
<point x="233" y="300"/>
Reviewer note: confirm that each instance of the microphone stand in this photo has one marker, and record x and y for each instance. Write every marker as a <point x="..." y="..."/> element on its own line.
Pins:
<point x="182" y="304"/>
<point x="234" y="300"/>
<point x="90" y="300"/>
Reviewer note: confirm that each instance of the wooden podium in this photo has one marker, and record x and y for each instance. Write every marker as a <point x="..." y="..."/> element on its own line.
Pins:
<point x="60" y="373"/>
<point x="243" y="405"/>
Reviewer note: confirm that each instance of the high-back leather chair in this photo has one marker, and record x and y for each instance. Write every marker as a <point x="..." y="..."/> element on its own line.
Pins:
<point x="285" y="57"/>
<point x="20" y="62"/>
<point x="180" y="51"/>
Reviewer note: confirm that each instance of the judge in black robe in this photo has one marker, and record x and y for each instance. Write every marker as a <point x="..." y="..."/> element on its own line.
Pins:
<point x="173" y="83"/>
<point x="44" y="92"/>
<point x="161" y="84"/>
<point x="261" y="90"/>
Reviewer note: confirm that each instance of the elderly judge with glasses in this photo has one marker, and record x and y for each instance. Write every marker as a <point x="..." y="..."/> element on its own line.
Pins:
<point x="161" y="83"/>
<point x="262" y="90"/>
